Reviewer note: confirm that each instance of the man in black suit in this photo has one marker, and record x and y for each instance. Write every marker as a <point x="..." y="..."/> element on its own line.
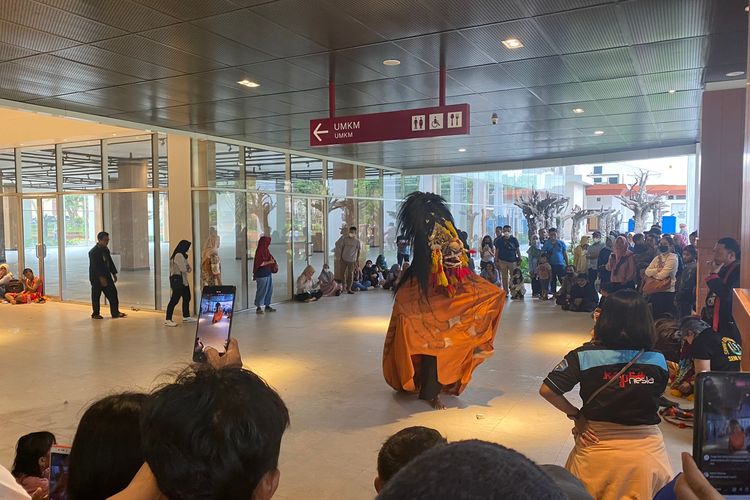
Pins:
<point x="103" y="276"/>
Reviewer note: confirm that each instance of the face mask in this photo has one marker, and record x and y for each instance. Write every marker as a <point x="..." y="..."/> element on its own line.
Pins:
<point x="597" y="240"/>
<point x="506" y="234"/>
<point x="663" y="248"/>
<point x="352" y="235"/>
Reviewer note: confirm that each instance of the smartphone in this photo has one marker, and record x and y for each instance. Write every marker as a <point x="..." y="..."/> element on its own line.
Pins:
<point x="58" y="472"/>
<point x="214" y="320"/>
<point x="721" y="434"/>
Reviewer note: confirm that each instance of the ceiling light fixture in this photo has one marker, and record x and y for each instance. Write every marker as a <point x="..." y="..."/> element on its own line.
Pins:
<point x="671" y="91"/>
<point x="391" y="62"/>
<point x="598" y="132"/>
<point x="461" y="150"/>
<point x="578" y="111"/>
<point x="747" y="8"/>
<point x="735" y="73"/>
<point x="512" y="43"/>
<point x="249" y="83"/>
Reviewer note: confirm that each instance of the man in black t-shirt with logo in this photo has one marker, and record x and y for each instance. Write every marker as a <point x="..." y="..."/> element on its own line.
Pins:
<point x="723" y="278"/>
<point x="507" y="254"/>
<point x="711" y="351"/>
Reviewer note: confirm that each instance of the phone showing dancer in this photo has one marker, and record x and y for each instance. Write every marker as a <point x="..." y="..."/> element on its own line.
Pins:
<point x="214" y="321"/>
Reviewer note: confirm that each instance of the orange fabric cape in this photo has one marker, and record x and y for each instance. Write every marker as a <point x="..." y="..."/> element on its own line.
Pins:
<point x="458" y="331"/>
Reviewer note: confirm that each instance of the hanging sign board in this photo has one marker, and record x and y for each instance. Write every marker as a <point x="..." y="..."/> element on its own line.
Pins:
<point x="391" y="126"/>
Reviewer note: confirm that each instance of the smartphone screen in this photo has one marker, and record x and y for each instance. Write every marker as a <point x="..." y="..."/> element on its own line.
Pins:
<point x="721" y="436"/>
<point x="58" y="472"/>
<point x="214" y="320"/>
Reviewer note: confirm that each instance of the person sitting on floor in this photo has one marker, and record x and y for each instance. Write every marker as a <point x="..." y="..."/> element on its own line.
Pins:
<point x="359" y="283"/>
<point x="31" y="465"/>
<point x="5" y="277"/>
<point x="562" y="297"/>
<point x="32" y="289"/>
<point x="371" y="275"/>
<point x="517" y="287"/>
<point x="328" y="286"/>
<point x="306" y="290"/>
<point x="489" y="272"/>
<point x="392" y="278"/>
<point x="583" y="296"/>
<point x="381" y="265"/>
<point x="402" y="448"/>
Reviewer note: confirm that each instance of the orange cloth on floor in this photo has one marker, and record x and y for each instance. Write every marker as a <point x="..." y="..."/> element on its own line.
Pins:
<point x="458" y="331"/>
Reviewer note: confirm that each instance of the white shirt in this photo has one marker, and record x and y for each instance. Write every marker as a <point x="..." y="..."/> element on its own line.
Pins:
<point x="9" y="488"/>
<point x="668" y="263"/>
<point x="179" y="265"/>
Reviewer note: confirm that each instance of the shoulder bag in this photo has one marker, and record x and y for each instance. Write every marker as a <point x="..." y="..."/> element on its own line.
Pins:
<point x="613" y="379"/>
<point x="653" y="285"/>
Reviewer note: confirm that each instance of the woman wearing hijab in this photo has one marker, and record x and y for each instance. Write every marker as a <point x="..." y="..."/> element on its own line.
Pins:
<point x="210" y="260"/>
<point x="580" y="259"/>
<point x="179" y="267"/>
<point x="621" y="265"/>
<point x="264" y="266"/>
<point x="328" y="285"/>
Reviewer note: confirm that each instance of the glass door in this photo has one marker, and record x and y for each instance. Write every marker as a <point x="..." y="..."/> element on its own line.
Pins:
<point x="40" y="246"/>
<point x="300" y="236"/>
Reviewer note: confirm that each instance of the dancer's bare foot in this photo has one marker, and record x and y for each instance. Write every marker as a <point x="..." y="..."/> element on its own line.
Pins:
<point x="437" y="404"/>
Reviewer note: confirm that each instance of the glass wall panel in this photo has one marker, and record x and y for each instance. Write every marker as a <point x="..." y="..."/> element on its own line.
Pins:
<point x="82" y="166"/>
<point x="83" y="217"/>
<point x="128" y="220"/>
<point x="265" y="170"/>
<point x="9" y="220"/>
<point x="307" y="175"/>
<point x="270" y="214"/>
<point x="7" y="171"/>
<point x="129" y="162"/>
<point x="369" y="223"/>
<point x="341" y="216"/>
<point x="317" y="232"/>
<point x="221" y="226"/>
<point x="166" y="250"/>
<point x="228" y="165"/>
<point x="38" y="169"/>
<point x="392" y="195"/>
<point x="299" y="234"/>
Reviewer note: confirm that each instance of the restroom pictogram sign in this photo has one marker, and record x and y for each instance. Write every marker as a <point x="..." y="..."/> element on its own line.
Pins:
<point x="391" y="126"/>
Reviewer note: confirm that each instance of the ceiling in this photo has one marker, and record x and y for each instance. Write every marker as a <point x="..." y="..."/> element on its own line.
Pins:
<point x="175" y="63"/>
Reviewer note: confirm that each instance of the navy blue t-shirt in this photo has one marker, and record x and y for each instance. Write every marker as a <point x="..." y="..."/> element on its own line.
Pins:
<point x="507" y="248"/>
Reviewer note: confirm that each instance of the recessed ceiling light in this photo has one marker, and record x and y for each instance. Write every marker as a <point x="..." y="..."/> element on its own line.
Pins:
<point x="671" y="91"/>
<point x="249" y="83"/>
<point x="735" y="73"/>
<point x="512" y="43"/>
<point x="578" y="111"/>
<point x="747" y="8"/>
<point x="391" y="62"/>
<point x="598" y="132"/>
<point x="461" y="150"/>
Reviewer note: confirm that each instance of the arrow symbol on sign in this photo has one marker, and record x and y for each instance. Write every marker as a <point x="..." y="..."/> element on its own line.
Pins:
<point x="317" y="132"/>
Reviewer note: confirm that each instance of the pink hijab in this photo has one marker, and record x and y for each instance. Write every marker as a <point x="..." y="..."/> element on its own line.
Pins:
<point x="621" y="248"/>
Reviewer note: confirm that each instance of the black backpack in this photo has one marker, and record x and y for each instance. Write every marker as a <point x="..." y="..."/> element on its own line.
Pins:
<point x="14" y="286"/>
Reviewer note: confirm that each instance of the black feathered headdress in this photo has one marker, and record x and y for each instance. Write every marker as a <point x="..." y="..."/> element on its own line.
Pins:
<point x="417" y="220"/>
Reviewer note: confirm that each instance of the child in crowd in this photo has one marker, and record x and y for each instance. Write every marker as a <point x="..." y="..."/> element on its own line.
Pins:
<point x="583" y="296"/>
<point x="543" y="273"/>
<point x="402" y="448"/>
<point x="517" y="288"/>
<point x="489" y="272"/>
<point x="31" y="465"/>
<point x="563" y="294"/>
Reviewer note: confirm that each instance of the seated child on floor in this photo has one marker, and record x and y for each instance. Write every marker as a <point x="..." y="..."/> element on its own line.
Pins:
<point x="562" y="297"/>
<point x="543" y="274"/>
<point x="489" y="272"/>
<point x="517" y="288"/>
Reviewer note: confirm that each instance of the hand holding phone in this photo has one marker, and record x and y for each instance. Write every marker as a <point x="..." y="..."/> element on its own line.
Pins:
<point x="58" y="472"/>
<point x="214" y="321"/>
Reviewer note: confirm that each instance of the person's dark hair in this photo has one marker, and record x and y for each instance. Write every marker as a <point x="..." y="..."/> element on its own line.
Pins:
<point x="487" y="238"/>
<point x="639" y="238"/>
<point x="29" y="270"/>
<point x="595" y="233"/>
<point x="626" y="322"/>
<point x="552" y="230"/>
<point x="731" y="245"/>
<point x="507" y="226"/>
<point x="405" y="446"/>
<point x="29" y="449"/>
<point x="352" y="228"/>
<point x="106" y="452"/>
<point x="101" y="235"/>
<point x="182" y="247"/>
<point x="694" y="233"/>
<point x="468" y="470"/>
<point x="582" y="276"/>
<point x="213" y="433"/>
<point x="669" y="239"/>
<point x="691" y="250"/>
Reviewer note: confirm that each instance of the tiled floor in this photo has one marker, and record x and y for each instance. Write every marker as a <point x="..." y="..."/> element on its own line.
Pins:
<point x="324" y="358"/>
